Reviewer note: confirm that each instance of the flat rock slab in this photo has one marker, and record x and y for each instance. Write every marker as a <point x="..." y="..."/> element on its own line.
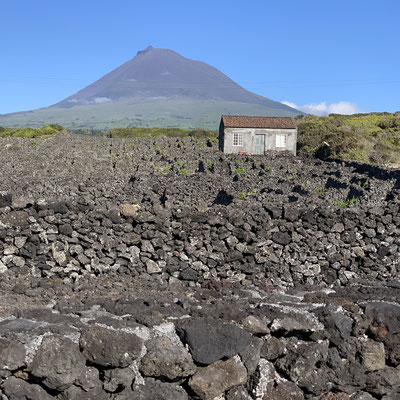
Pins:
<point x="15" y="388"/>
<point x="23" y="329"/>
<point x="210" y="340"/>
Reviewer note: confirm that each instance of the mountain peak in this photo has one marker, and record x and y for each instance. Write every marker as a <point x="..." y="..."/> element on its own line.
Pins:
<point x="157" y="87"/>
<point x="157" y="74"/>
<point x="147" y="49"/>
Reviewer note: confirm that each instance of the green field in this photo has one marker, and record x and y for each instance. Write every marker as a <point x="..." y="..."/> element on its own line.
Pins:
<point x="167" y="114"/>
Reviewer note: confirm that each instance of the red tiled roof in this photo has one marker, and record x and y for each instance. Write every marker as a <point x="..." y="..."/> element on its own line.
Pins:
<point x="235" y="121"/>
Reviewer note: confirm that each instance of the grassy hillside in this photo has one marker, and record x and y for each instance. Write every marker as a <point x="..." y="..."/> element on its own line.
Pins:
<point x="198" y="114"/>
<point x="372" y="138"/>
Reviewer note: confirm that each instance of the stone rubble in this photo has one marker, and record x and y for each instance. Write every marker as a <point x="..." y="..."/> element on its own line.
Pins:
<point x="163" y="269"/>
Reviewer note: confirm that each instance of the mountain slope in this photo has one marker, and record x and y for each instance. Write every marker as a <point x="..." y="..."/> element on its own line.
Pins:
<point x="157" y="86"/>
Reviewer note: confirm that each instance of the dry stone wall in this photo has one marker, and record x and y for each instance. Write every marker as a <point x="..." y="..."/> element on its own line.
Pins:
<point x="113" y="338"/>
<point x="176" y="210"/>
<point x="163" y="269"/>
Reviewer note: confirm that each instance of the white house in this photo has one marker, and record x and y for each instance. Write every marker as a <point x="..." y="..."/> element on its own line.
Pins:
<point x="257" y="135"/>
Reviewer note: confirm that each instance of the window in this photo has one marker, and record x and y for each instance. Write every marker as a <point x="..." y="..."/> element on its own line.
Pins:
<point x="281" y="140"/>
<point x="238" y="139"/>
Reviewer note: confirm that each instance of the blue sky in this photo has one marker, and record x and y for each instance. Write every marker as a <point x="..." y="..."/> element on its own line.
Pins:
<point x="329" y="56"/>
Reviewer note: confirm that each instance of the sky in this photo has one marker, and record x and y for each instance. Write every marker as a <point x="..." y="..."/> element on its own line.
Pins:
<point x="319" y="56"/>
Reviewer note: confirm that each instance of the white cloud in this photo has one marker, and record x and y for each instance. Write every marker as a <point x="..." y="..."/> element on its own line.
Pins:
<point x="343" y="107"/>
<point x="101" y="100"/>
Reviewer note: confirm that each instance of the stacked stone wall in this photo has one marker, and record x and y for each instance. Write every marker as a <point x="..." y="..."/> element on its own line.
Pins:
<point x="163" y="269"/>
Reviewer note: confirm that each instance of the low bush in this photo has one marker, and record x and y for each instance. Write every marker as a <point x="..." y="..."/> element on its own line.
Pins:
<point x="372" y="138"/>
<point x="31" y="133"/>
<point x="138" y="132"/>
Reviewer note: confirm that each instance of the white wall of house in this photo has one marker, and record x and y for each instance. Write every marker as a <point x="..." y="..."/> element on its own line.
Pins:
<point x="235" y="140"/>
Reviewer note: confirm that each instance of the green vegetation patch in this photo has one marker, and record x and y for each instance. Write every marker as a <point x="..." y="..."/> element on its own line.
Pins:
<point x="137" y="132"/>
<point x="43" y="132"/>
<point x="346" y="203"/>
<point x="240" y="170"/>
<point x="372" y="138"/>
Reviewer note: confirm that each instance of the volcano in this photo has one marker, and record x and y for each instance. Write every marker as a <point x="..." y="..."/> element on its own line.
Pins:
<point x="157" y="87"/>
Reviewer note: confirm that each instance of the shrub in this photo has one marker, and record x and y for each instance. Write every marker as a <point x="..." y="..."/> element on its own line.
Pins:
<point x="373" y="137"/>
<point x="185" y="171"/>
<point x="240" y="170"/>
<point x="139" y="132"/>
<point x="48" y="130"/>
<point x="390" y="123"/>
<point x="345" y="203"/>
<point x="57" y="127"/>
<point x="30" y="133"/>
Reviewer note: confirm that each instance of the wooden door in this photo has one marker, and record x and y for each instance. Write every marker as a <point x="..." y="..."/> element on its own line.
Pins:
<point x="260" y="144"/>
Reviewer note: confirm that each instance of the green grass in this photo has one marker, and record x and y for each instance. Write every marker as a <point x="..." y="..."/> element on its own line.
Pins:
<point x="114" y="159"/>
<point x="321" y="191"/>
<point x="43" y="132"/>
<point x="163" y="170"/>
<point x="179" y="113"/>
<point x="345" y="203"/>
<point x="371" y="138"/>
<point x="185" y="171"/>
<point x="202" y="144"/>
<point x="140" y="132"/>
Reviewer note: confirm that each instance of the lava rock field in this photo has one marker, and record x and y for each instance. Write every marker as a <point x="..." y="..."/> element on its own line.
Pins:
<point x="160" y="268"/>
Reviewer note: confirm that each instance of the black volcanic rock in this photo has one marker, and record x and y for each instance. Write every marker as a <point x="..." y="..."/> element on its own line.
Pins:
<point x="210" y="340"/>
<point x="280" y="301"/>
<point x="58" y="361"/>
<point x="100" y="347"/>
<point x="5" y="199"/>
<point x="282" y="238"/>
